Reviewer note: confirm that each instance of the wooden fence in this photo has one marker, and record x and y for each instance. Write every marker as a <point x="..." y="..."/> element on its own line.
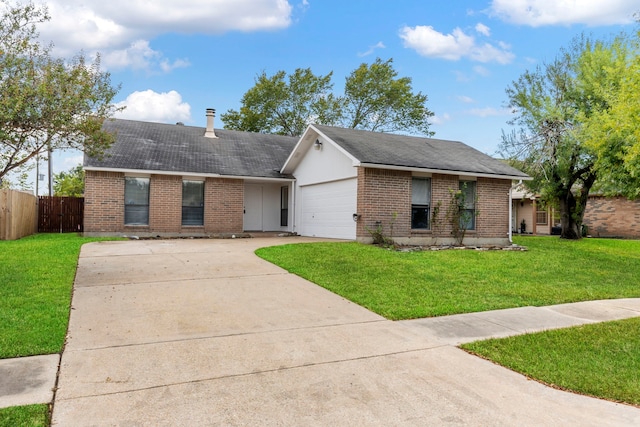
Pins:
<point x="18" y="214"/>
<point x="60" y="214"/>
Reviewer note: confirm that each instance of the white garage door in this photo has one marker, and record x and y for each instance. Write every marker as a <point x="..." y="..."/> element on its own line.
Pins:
<point x="327" y="209"/>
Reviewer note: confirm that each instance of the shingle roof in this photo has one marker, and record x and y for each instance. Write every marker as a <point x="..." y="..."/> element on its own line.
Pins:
<point x="146" y="146"/>
<point x="176" y="148"/>
<point x="414" y="152"/>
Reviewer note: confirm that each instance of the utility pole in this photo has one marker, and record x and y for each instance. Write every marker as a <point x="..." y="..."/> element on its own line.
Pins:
<point x="37" y="173"/>
<point x="49" y="152"/>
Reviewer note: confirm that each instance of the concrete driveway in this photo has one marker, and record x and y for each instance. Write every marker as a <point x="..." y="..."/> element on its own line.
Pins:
<point x="204" y="333"/>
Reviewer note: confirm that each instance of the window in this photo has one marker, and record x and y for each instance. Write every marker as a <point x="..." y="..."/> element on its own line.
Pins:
<point x="420" y="203"/>
<point x="192" y="203"/>
<point x="136" y="201"/>
<point x="541" y="214"/>
<point x="468" y="214"/>
<point x="284" y="206"/>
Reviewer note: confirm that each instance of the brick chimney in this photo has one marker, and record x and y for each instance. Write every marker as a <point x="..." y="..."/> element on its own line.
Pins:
<point x="209" y="132"/>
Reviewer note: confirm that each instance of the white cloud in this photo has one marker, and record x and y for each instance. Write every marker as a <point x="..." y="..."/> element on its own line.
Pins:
<point x="428" y="42"/>
<point x="536" y="13"/>
<point x="483" y="29"/>
<point x="113" y="26"/>
<point x="140" y="56"/>
<point x="431" y="43"/>
<point x="372" y="49"/>
<point x="466" y="99"/>
<point x="482" y="71"/>
<point x="462" y="77"/>
<point x="166" y="107"/>
<point x="489" y="53"/>
<point x="167" y="66"/>
<point x="489" y="112"/>
<point x="440" y="119"/>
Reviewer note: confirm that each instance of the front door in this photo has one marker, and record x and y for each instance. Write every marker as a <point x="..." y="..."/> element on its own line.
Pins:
<point x="253" y="207"/>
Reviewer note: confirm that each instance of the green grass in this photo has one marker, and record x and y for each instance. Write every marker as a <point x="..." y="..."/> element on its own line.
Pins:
<point x="25" y="416"/>
<point x="36" y="277"/>
<point x="399" y="285"/>
<point x="601" y="360"/>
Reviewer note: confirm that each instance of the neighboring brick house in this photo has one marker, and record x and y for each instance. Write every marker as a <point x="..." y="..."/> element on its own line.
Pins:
<point x="612" y="217"/>
<point x="530" y="216"/>
<point x="175" y="180"/>
<point x="604" y="216"/>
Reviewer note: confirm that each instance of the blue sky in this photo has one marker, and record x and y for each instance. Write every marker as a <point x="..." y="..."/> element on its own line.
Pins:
<point x="175" y="59"/>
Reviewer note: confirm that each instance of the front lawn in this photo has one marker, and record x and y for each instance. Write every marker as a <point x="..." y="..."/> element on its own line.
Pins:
<point x="399" y="285"/>
<point x="600" y="360"/>
<point x="25" y="416"/>
<point x="36" y="277"/>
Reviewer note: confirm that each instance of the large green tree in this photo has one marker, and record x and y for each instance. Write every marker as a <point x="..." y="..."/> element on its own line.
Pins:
<point x="613" y="133"/>
<point x="285" y="105"/>
<point x="46" y="103"/>
<point x="375" y="98"/>
<point x="551" y="106"/>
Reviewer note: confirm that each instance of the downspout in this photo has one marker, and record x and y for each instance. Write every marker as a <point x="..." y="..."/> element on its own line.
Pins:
<point x="511" y="214"/>
<point x="294" y="191"/>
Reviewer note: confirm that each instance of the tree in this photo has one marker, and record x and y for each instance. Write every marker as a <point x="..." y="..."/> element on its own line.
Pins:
<point x="22" y="183"/>
<point x="375" y="99"/>
<point x="69" y="183"/>
<point x="46" y="103"/>
<point x="551" y="105"/>
<point x="613" y="132"/>
<point x="275" y="105"/>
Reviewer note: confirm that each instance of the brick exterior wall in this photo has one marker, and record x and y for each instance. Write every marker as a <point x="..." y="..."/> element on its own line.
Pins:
<point x="441" y="187"/>
<point x="103" y="202"/>
<point x="612" y="217"/>
<point x="224" y="205"/>
<point x="384" y="196"/>
<point x="104" y="206"/>
<point x="493" y="207"/>
<point x="165" y="204"/>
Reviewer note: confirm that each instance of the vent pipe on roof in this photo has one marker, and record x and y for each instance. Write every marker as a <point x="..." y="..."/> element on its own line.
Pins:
<point x="209" y="133"/>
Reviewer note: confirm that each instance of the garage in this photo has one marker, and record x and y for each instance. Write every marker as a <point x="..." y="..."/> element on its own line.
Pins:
<point x="327" y="209"/>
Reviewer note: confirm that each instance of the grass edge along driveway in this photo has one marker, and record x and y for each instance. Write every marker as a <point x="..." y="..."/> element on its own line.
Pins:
<point x="407" y="285"/>
<point x="600" y="360"/>
<point x="36" y="280"/>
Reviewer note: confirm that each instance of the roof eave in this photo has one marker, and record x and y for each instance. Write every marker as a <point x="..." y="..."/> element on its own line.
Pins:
<point x="443" y="171"/>
<point x="186" y="173"/>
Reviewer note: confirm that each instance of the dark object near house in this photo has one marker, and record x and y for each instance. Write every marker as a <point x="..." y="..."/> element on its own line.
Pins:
<point x="556" y="230"/>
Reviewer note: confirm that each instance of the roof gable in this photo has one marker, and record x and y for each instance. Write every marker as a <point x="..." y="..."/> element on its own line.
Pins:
<point x="411" y="152"/>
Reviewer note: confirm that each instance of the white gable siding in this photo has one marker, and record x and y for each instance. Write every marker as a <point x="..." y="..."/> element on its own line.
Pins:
<point x="324" y="165"/>
<point x="326" y="193"/>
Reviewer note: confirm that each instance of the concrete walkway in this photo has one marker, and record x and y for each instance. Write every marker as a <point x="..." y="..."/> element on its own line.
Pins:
<point x="203" y="332"/>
